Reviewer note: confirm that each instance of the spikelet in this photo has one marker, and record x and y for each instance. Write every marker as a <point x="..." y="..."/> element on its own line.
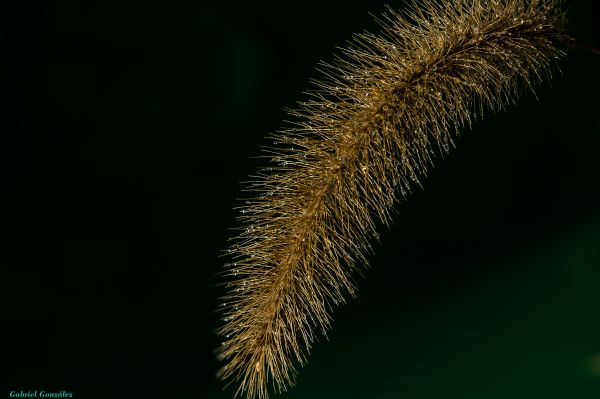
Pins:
<point x="366" y="135"/>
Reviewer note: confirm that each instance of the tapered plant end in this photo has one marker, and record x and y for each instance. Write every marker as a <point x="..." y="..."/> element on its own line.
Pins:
<point x="365" y="137"/>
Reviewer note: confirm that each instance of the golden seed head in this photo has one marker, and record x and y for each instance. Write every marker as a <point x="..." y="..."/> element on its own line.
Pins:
<point x="366" y="136"/>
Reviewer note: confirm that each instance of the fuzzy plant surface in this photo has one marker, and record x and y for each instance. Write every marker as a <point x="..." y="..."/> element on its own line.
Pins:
<point x="367" y="134"/>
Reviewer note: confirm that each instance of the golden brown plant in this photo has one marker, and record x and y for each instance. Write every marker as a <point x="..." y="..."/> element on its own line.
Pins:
<point x="367" y="134"/>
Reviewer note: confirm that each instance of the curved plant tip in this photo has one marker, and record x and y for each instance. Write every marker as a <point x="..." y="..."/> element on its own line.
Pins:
<point x="367" y="134"/>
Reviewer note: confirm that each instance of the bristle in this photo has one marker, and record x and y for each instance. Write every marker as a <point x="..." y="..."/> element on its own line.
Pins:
<point x="367" y="135"/>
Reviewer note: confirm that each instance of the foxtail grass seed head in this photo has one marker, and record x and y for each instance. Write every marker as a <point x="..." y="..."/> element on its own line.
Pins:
<point x="365" y="137"/>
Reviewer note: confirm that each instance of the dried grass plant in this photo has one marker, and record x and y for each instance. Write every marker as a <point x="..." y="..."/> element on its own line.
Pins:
<point x="366" y="136"/>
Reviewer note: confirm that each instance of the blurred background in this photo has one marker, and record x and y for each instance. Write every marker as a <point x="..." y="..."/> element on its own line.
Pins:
<point x="127" y="129"/>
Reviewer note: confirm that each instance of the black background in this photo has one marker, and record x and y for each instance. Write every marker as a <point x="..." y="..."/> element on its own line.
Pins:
<point x="127" y="127"/>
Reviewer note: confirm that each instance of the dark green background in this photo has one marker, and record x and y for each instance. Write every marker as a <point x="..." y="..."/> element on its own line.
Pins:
<point x="128" y="128"/>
